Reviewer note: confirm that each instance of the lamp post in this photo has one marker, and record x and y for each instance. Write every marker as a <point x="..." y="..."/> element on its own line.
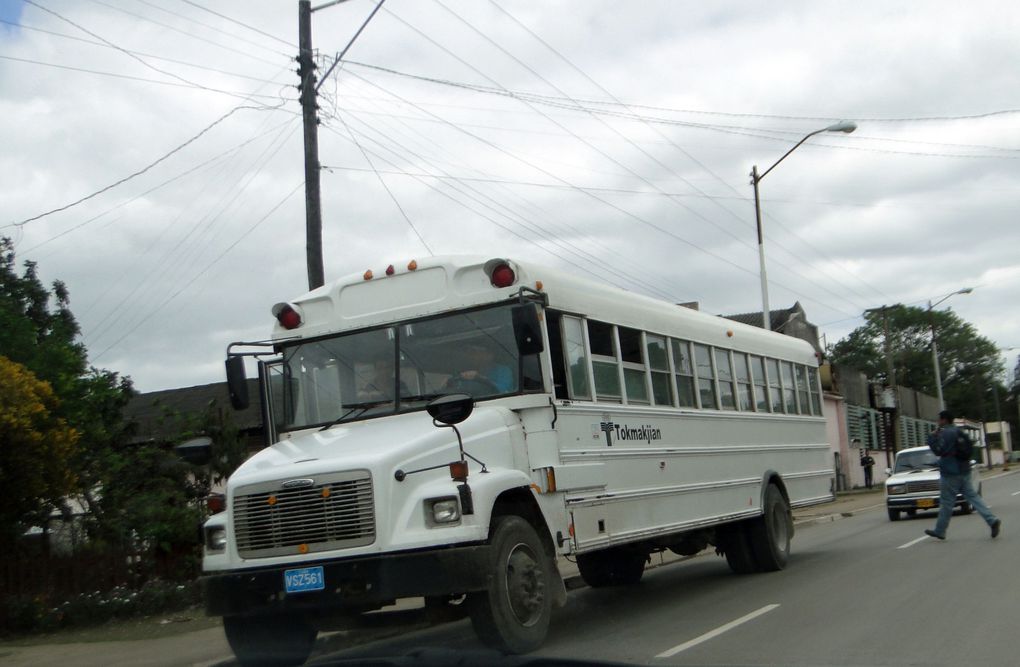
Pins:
<point x="842" y="126"/>
<point x="934" y="343"/>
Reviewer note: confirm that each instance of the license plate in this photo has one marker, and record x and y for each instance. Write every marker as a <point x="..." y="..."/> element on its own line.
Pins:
<point x="926" y="502"/>
<point x="304" y="579"/>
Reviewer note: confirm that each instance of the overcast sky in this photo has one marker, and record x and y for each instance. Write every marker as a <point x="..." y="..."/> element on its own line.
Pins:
<point x="613" y="138"/>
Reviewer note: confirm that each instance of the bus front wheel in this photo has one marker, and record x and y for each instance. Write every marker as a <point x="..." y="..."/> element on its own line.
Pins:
<point x="513" y="614"/>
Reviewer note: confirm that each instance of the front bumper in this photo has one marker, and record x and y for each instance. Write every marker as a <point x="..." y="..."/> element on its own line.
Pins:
<point x="917" y="502"/>
<point x="352" y="584"/>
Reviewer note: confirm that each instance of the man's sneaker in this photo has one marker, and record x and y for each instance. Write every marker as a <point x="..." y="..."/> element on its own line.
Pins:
<point x="996" y="527"/>
<point x="932" y="533"/>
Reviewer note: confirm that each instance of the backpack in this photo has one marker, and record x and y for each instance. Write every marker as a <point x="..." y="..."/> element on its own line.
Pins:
<point x="964" y="448"/>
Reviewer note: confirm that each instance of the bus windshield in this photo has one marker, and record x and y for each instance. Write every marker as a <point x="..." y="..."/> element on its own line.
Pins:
<point x="399" y="368"/>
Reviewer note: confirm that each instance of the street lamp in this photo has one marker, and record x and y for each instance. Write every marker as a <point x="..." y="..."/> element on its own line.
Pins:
<point x="842" y="126"/>
<point x="934" y="343"/>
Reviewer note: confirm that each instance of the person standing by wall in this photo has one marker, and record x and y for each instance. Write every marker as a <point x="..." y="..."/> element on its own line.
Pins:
<point x="954" y="449"/>
<point x="868" y="463"/>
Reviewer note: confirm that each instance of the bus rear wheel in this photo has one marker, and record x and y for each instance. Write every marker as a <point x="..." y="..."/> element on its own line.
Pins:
<point x="735" y="544"/>
<point x="513" y="614"/>
<point x="771" y="532"/>
<point x="612" y="567"/>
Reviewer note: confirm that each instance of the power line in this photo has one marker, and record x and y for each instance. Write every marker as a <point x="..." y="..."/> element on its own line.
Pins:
<point x="382" y="182"/>
<point x="199" y="274"/>
<point x="137" y="173"/>
<point x="213" y="28"/>
<point x="129" y="77"/>
<point x="91" y="42"/>
<point x="232" y="20"/>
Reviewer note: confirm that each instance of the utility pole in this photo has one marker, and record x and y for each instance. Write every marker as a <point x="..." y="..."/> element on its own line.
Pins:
<point x="893" y="430"/>
<point x="313" y="200"/>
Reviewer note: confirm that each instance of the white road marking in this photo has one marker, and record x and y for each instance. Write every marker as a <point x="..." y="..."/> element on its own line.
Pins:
<point x="913" y="542"/>
<point x="1016" y="493"/>
<point x="718" y="631"/>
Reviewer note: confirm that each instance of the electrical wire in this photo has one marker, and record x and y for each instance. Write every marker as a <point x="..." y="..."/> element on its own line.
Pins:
<point x="232" y="20"/>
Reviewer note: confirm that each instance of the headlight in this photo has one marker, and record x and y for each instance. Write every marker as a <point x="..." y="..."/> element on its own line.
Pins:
<point x="443" y="510"/>
<point x="896" y="488"/>
<point x="216" y="538"/>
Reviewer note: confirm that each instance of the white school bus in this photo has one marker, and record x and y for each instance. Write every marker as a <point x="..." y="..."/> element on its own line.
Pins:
<point x="453" y="428"/>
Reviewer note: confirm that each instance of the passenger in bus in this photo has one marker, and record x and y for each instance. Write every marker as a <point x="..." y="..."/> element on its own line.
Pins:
<point x="380" y="387"/>
<point x="482" y="372"/>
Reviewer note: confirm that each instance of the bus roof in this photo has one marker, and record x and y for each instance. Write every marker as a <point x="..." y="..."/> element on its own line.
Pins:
<point x="442" y="284"/>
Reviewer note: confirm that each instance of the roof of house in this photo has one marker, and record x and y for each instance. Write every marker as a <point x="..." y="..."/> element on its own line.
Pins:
<point x="157" y="414"/>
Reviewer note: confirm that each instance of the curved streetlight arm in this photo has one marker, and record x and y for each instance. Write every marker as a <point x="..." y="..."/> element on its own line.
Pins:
<point x="842" y="126"/>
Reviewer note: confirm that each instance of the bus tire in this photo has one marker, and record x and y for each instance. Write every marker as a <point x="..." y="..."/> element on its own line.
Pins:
<point x="770" y="533"/>
<point x="735" y="544"/>
<point x="513" y="614"/>
<point x="261" y="641"/>
<point x="612" y="567"/>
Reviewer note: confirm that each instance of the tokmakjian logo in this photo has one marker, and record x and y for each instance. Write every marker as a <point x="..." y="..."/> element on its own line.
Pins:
<point x="645" y="432"/>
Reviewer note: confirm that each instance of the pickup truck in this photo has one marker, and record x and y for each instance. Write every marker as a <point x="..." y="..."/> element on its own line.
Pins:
<point x="914" y="483"/>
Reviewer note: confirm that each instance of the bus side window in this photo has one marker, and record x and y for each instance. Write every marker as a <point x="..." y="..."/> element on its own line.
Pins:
<point x="577" y="360"/>
<point x="604" y="362"/>
<point x="559" y="366"/>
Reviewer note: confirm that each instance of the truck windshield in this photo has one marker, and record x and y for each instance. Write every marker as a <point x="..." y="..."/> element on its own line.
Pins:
<point x="400" y="368"/>
<point x="919" y="460"/>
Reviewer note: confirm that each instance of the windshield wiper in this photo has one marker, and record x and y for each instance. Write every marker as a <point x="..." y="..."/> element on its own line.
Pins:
<point x="360" y="408"/>
<point x="420" y="397"/>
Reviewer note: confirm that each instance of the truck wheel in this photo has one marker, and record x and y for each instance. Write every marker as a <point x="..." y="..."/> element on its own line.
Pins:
<point x="612" y="567"/>
<point x="513" y="614"/>
<point x="894" y="515"/>
<point x="735" y="545"/>
<point x="966" y="508"/>
<point x="770" y="533"/>
<point x="260" y="641"/>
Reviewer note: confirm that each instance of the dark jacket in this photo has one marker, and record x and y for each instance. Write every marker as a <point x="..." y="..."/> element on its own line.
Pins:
<point x="943" y="443"/>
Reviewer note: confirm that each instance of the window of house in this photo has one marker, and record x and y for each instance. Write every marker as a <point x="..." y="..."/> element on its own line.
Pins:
<point x="724" y="372"/>
<point x="761" y="396"/>
<point x="789" y="393"/>
<point x="775" y="385"/>
<point x="602" y="340"/>
<point x="576" y="361"/>
<point x="658" y="366"/>
<point x="684" y="367"/>
<point x="742" y="373"/>
<point x="635" y="377"/>
<point x="706" y="376"/>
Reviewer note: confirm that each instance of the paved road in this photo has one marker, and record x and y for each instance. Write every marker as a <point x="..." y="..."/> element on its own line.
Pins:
<point x="860" y="591"/>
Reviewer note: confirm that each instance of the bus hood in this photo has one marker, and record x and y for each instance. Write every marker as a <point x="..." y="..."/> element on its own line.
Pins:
<point x="382" y="445"/>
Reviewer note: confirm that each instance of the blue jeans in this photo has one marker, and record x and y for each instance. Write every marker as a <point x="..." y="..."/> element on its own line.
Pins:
<point x="952" y="485"/>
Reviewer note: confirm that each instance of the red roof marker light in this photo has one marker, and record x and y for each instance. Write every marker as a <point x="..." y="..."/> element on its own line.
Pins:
<point x="287" y="315"/>
<point x="500" y="273"/>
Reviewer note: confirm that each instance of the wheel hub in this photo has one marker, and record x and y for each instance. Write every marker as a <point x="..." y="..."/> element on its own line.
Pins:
<point x="525" y="585"/>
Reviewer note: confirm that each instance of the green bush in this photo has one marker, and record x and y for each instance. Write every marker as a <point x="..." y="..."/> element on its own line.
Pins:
<point x="30" y="614"/>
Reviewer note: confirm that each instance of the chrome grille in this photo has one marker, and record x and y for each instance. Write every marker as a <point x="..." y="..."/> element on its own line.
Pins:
<point x="924" y="485"/>
<point x="335" y="512"/>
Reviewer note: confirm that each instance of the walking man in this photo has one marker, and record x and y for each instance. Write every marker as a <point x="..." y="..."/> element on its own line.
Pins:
<point x="954" y="448"/>
<point x="867" y="462"/>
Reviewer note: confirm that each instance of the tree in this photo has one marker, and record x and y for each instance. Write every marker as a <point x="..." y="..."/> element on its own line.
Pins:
<point x="36" y="447"/>
<point x="969" y="362"/>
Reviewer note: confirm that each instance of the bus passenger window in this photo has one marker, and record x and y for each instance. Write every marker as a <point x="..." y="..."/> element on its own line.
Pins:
<point x="761" y="396"/>
<point x="789" y="396"/>
<point x="684" y="374"/>
<point x="634" y="377"/>
<point x="802" y="389"/>
<point x="603" y="362"/>
<point x="816" y="398"/>
<point x="775" y="388"/>
<point x="576" y="361"/>
<point x="706" y="378"/>
<point x="722" y="368"/>
<point x="658" y="364"/>
<point x="743" y="375"/>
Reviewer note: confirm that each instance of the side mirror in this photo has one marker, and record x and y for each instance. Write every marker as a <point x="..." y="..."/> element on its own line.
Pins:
<point x="888" y="471"/>
<point x="527" y="329"/>
<point x="451" y="409"/>
<point x="197" y="451"/>
<point x="237" y="382"/>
